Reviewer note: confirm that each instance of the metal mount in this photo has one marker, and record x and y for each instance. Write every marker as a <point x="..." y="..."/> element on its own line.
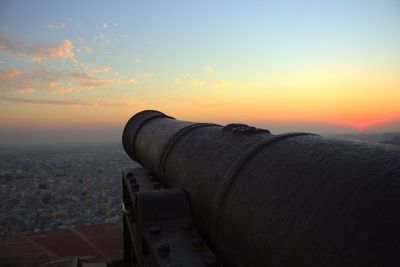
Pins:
<point x="158" y="225"/>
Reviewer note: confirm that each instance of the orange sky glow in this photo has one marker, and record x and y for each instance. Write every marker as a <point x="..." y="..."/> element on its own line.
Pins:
<point x="303" y="66"/>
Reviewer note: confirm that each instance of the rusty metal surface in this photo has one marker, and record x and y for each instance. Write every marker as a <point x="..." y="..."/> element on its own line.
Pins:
<point x="279" y="200"/>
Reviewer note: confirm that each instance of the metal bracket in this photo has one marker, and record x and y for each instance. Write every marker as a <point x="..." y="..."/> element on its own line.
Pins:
<point x="158" y="225"/>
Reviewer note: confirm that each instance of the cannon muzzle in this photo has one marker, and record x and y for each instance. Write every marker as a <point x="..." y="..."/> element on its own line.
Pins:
<point x="293" y="199"/>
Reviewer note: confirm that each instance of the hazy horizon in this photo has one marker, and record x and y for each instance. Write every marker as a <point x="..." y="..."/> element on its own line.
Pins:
<point x="95" y="135"/>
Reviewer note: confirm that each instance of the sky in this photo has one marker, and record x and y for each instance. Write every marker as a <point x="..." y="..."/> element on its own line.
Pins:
<point x="76" y="71"/>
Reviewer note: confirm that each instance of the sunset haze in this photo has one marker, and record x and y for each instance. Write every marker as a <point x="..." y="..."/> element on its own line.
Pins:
<point x="71" y="70"/>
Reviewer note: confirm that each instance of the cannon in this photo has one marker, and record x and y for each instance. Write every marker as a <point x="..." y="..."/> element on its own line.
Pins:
<point x="236" y="195"/>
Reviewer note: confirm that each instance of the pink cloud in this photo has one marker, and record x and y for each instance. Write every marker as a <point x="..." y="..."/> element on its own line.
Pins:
<point x="37" y="52"/>
<point x="17" y="81"/>
<point x="148" y="75"/>
<point x="14" y="80"/>
<point x="62" y="51"/>
<point x="72" y="102"/>
<point x="87" y="49"/>
<point x="10" y="73"/>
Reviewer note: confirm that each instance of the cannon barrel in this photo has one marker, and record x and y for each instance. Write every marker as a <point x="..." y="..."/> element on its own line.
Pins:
<point x="293" y="199"/>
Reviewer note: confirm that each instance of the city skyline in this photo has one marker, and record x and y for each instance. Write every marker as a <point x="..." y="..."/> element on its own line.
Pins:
<point x="84" y="67"/>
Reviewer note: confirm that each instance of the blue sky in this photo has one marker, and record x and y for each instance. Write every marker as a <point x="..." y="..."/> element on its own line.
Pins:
<point x="330" y="64"/>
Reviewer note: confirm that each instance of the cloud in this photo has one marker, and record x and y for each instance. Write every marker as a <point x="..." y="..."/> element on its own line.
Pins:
<point x="100" y="70"/>
<point x="10" y="73"/>
<point x="101" y="41"/>
<point x="194" y="82"/>
<point x="190" y="82"/>
<point x="84" y="66"/>
<point x="87" y="49"/>
<point x="209" y="69"/>
<point x="37" y="52"/>
<point x="44" y="101"/>
<point x="222" y="84"/>
<point x="17" y="81"/>
<point x="62" y="51"/>
<point x="106" y="25"/>
<point x="59" y="26"/>
<point x="148" y="75"/>
<point x="200" y="83"/>
<point x="13" y="80"/>
<point x="84" y="47"/>
<point x="72" y="102"/>
<point x="133" y="56"/>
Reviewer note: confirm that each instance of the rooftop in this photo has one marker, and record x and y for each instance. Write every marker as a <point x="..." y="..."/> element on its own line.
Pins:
<point x="101" y="244"/>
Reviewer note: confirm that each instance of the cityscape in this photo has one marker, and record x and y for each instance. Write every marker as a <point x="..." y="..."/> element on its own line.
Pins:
<point x="58" y="187"/>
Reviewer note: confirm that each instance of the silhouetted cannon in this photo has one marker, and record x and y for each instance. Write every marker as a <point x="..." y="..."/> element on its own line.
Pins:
<point x="259" y="199"/>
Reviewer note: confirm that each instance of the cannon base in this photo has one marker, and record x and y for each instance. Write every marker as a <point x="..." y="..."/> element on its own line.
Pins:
<point x="158" y="225"/>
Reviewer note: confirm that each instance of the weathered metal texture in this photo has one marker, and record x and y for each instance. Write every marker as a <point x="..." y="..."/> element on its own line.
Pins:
<point x="158" y="225"/>
<point x="278" y="200"/>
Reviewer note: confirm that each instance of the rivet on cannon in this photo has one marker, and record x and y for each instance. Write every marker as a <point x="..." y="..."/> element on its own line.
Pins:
<point x="135" y="187"/>
<point x="187" y="226"/>
<point x="197" y="243"/>
<point x="155" y="230"/>
<point x="156" y="184"/>
<point x="164" y="249"/>
<point x="211" y="261"/>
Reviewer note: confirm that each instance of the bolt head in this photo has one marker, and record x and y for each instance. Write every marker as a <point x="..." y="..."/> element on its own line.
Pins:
<point x="164" y="248"/>
<point x="197" y="243"/>
<point x="155" y="230"/>
<point x="135" y="187"/>
<point x="187" y="226"/>
<point x="211" y="261"/>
